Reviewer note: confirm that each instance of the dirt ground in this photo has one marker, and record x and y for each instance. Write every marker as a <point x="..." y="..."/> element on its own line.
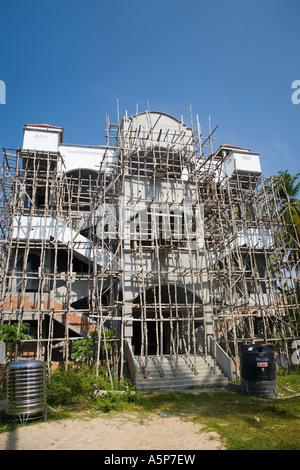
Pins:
<point x="125" y="431"/>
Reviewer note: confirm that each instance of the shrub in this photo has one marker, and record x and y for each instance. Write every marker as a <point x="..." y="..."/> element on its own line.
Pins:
<point x="73" y="386"/>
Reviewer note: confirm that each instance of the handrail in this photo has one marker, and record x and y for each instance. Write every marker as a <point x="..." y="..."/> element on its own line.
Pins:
<point x="221" y="358"/>
<point x="131" y="361"/>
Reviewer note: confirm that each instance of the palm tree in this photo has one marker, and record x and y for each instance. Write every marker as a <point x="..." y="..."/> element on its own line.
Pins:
<point x="288" y="188"/>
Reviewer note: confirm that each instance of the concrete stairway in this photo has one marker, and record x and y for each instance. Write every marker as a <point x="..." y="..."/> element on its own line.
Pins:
<point x="46" y="229"/>
<point x="182" y="377"/>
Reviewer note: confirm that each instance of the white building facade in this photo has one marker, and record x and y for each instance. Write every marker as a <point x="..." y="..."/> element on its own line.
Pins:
<point x="153" y="238"/>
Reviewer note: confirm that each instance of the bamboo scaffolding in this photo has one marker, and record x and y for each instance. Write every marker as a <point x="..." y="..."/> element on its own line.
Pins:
<point x="163" y="294"/>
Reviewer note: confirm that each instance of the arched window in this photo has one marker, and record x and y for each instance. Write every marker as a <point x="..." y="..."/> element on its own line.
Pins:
<point x="80" y="189"/>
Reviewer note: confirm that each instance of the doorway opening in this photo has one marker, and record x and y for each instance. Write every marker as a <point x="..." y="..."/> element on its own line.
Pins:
<point x="165" y="321"/>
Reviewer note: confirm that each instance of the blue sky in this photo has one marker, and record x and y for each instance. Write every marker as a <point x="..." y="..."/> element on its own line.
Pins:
<point x="67" y="63"/>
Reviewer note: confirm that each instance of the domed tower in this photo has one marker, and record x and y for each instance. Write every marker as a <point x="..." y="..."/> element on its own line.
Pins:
<point x="156" y="145"/>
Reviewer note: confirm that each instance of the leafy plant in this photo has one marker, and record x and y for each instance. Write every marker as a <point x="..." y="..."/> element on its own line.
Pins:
<point x="84" y="351"/>
<point x="12" y="335"/>
<point x="72" y="387"/>
<point x="68" y="386"/>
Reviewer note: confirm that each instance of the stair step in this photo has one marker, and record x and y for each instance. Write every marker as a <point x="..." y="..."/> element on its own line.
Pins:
<point x="185" y="376"/>
<point x="163" y="380"/>
<point x="180" y="373"/>
<point x="183" y="385"/>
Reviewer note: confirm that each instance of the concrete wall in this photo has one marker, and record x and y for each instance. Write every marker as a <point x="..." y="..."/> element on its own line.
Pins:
<point x="83" y="156"/>
<point x="242" y="162"/>
<point x="43" y="139"/>
<point x="155" y="128"/>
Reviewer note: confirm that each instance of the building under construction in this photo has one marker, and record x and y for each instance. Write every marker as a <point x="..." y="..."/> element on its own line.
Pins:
<point x="179" y="249"/>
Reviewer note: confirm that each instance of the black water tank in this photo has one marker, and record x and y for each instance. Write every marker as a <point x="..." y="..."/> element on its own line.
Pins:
<point x="258" y="370"/>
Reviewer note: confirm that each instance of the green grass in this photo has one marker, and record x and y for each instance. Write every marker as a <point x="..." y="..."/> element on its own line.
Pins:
<point x="244" y="422"/>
